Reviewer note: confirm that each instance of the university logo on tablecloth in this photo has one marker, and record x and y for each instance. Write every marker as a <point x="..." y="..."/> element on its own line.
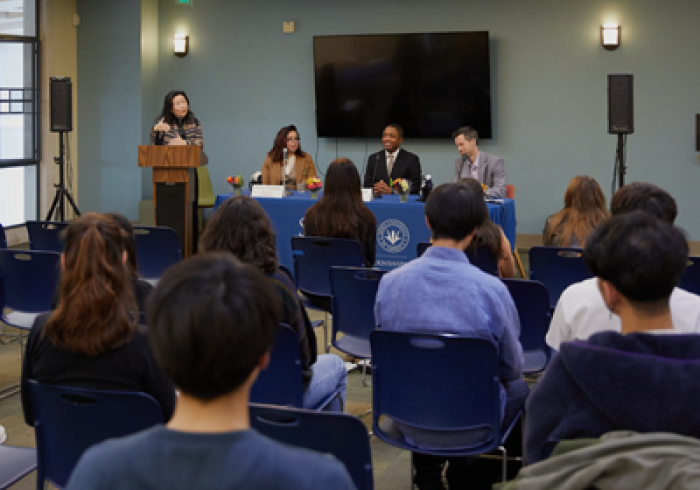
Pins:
<point x="393" y="236"/>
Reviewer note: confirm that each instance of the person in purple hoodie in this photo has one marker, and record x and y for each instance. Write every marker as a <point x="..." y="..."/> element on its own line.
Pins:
<point x="641" y="379"/>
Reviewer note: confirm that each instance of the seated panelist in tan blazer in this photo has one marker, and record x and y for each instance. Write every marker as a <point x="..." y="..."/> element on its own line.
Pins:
<point x="299" y="165"/>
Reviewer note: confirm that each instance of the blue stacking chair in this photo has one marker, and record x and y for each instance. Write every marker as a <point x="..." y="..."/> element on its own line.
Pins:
<point x="532" y="302"/>
<point x="15" y="464"/>
<point x="313" y="258"/>
<point x="281" y="383"/>
<point x="557" y="268"/>
<point x="29" y="281"/>
<point x="157" y="248"/>
<point x="440" y="383"/>
<point x="3" y="238"/>
<point x="339" y="434"/>
<point x="691" y="278"/>
<point x="353" y="291"/>
<point x="67" y="421"/>
<point x="482" y="257"/>
<point x="46" y="235"/>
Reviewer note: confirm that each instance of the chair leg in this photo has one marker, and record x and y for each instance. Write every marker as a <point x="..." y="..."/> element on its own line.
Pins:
<point x="504" y="464"/>
<point x="518" y="263"/>
<point x="326" y="334"/>
<point x="364" y="373"/>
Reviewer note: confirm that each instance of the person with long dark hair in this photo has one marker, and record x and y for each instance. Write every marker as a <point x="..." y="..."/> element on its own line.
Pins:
<point x="241" y="227"/>
<point x="341" y="213"/>
<point x="176" y="124"/>
<point x="584" y="209"/>
<point x="298" y="166"/>
<point x="92" y="339"/>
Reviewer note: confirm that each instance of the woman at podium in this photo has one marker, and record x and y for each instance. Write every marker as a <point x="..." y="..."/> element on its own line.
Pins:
<point x="176" y="124"/>
<point x="286" y="151"/>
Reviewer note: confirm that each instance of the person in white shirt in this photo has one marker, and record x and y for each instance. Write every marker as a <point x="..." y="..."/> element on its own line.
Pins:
<point x="581" y="311"/>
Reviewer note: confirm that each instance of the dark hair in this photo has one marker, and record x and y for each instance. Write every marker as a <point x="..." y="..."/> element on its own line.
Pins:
<point x="488" y="235"/>
<point x="468" y="132"/>
<point x="96" y="309"/>
<point x="455" y="209"/>
<point x="341" y="213"/>
<point x="280" y="143"/>
<point x="167" y="113"/>
<point x="641" y="255"/>
<point x="641" y="196"/>
<point x="398" y="129"/>
<point x="241" y="226"/>
<point x="584" y="208"/>
<point x="210" y="320"/>
<point x="128" y="240"/>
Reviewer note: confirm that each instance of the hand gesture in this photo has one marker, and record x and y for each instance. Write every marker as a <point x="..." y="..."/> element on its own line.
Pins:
<point x="381" y="187"/>
<point x="177" y="141"/>
<point x="161" y="126"/>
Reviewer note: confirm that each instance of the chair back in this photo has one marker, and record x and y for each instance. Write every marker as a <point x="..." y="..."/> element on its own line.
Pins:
<point x="510" y="191"/>
<point x="68" y="420"/>
<point x="532" y="302"/>
<point x="205" y="191"/>
<point x="691" y="277"/>
<point x="353" y="290"/>
<point x="481" y="257"/>
<point x="342" y="435"/>
<point x="314" y="257"/>
<point x="3" y="238"/>
<point x="436" y="382"/>
<point x="157" y="248"/>
<point x="557" y="268"/>
<point x="281" y="383"/>
<point x="46" y="235"/>
<point x="29" y="278"/>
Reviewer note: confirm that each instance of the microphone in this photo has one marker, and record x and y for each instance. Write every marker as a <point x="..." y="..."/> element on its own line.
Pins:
<point x="461" y="167"/>
<point x="377" y="195"/>
<point x="284" y="164"/>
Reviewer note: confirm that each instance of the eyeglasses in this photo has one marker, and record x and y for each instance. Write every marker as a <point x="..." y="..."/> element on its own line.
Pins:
<point x="293" y="139"/>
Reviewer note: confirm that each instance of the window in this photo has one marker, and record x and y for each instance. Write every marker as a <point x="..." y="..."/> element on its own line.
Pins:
<point x="19" y="112"/>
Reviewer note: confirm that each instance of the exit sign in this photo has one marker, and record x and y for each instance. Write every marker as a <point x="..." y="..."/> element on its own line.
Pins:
<point x="183" y="2"/>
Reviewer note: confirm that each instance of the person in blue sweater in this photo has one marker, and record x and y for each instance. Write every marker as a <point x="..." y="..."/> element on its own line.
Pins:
<point x="212" y="322"/>
<point x="641" y="379"/>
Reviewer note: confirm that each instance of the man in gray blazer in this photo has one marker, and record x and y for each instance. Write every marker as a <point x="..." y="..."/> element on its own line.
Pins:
<point x="484" y="167"/>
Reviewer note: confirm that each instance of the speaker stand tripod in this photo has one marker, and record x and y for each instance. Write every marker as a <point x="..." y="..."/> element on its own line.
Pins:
<point x="620" y="157"/>
<point x="57" y="207"/>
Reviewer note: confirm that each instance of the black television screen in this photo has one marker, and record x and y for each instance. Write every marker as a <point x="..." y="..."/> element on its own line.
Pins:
<point x="430" y="84"/>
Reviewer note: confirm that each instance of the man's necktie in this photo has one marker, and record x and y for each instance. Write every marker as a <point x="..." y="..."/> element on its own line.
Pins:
<point x="390" y="164"/>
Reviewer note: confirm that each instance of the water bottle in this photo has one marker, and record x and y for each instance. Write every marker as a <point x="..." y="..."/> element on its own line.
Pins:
<point x="427" y="187"/>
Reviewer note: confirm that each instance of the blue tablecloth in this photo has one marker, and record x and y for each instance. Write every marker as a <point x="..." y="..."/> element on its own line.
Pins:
<point x="401" y="225"/>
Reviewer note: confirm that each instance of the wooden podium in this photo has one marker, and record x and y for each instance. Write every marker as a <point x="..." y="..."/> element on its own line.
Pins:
<point x="175" y="189"/>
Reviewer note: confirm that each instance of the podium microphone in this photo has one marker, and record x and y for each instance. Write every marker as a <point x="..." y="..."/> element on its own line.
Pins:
<point x="284" y="164"/>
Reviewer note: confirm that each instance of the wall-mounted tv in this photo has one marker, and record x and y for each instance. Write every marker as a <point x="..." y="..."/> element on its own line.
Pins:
<point x="430" y="84"/>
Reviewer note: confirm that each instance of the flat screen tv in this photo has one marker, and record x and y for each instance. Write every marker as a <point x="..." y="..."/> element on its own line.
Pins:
<point x="430" y="84"/>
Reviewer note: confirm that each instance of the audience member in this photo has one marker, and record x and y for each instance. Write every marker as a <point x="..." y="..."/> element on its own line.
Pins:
<point x="92" y="339"/>
<point x="212" y="322"/>
<point x="298" y="165"/>
<point x="472" y="303"/>
<point x="641" y="379"/>
<point x="584" y="209"/>
<point x="581" y="311"/>
<point x="241" y="226"/>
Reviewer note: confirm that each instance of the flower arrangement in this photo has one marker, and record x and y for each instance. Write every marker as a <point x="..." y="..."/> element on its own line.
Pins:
<point x="236" y="182"/>
<point x="484" y="187"/>
<point x="402" y="186"/>
<point x="314" y="183"/>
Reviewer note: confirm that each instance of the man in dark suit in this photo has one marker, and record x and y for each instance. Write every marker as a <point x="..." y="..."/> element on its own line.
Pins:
<point x="393" y="162"/>
<point x="484" y="167"/>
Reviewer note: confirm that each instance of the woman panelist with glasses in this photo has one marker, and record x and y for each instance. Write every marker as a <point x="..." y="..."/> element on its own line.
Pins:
<point x="298" y="165"/>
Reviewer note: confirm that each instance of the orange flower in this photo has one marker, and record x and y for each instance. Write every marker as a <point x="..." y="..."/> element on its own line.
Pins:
<point x="229" y="179"/>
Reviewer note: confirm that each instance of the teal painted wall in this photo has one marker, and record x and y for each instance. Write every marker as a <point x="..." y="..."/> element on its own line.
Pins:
<point x="246" y="79"/>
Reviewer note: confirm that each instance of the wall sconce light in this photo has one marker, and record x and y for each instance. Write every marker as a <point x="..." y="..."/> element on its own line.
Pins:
<point x="181" y="44"/>
<point x="610" y="36"/>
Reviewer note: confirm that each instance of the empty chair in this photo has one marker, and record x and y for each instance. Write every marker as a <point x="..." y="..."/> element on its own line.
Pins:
<point x="46" y="235"/>
<point x="691" y="277"/>
<point x="313" y="258"/>
<point x="442" y="383"/>
<point x="15" y="463"/>
<point x="67" y="421"/>
<point x="205" y="193"/>
<point x="354" y="290"/>
<point x="30" y="279"/>
<point x="157" y="248"/>
<point x="482" y="257"/>
<point x="557" y="268"/>
<point x="339" y="434"/>
<point x="532" y="302"/>
<point x="281" y="382"/>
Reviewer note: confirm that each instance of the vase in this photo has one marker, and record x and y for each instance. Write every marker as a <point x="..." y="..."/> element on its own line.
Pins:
<point x="237" y="191"/>
<point x="403" y="196"/>
<point x="314" y="194"/>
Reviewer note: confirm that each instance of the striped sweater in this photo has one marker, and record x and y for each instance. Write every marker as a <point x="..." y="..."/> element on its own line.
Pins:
<point x="190" y="131"/>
